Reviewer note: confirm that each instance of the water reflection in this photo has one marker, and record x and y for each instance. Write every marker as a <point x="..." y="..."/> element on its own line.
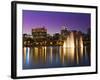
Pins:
<point x="55" y="56"/>
<point x="26" y="55"/>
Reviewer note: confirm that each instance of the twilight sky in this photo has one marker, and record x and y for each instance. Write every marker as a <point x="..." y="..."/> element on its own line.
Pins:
<point x="53" y="21"/>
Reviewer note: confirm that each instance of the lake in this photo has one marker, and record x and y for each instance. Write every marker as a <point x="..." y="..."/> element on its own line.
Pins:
<point x="55" y="56"/>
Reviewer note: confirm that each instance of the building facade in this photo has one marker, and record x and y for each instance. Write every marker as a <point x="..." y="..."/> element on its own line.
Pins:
<point x="39" y="34"/>
<point x="64" y="33"/>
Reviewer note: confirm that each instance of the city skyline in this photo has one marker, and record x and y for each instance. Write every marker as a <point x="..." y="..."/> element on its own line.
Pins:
<point x="53" y="21"/>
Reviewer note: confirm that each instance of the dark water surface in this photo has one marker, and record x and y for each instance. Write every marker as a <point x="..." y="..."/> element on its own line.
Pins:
<point x="55" y="56"/>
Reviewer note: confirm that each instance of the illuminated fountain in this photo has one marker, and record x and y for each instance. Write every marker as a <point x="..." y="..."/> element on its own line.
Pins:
<point x="73" y="40"/>
<point x="73" y="46"/>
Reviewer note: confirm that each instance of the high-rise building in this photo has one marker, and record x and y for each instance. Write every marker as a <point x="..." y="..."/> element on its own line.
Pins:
<point x="64" y="32"/>
<point x="39" y="34"/>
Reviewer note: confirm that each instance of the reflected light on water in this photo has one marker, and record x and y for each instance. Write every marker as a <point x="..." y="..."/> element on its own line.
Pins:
<point x="35" y="52"/>
<point x="26" y="55"/>
<point x="71" y="54"/>
<point x="77" y="56"/>
<point x="62" y="54"/>
<point x="51" y="55"/>
<point x="45" y="50"/>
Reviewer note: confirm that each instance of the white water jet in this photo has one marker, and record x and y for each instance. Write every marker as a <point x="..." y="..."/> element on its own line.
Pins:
<point x="73" y="40"/>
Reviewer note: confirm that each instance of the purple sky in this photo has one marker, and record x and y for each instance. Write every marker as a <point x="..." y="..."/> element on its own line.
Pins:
<point x="53" y="21"/>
